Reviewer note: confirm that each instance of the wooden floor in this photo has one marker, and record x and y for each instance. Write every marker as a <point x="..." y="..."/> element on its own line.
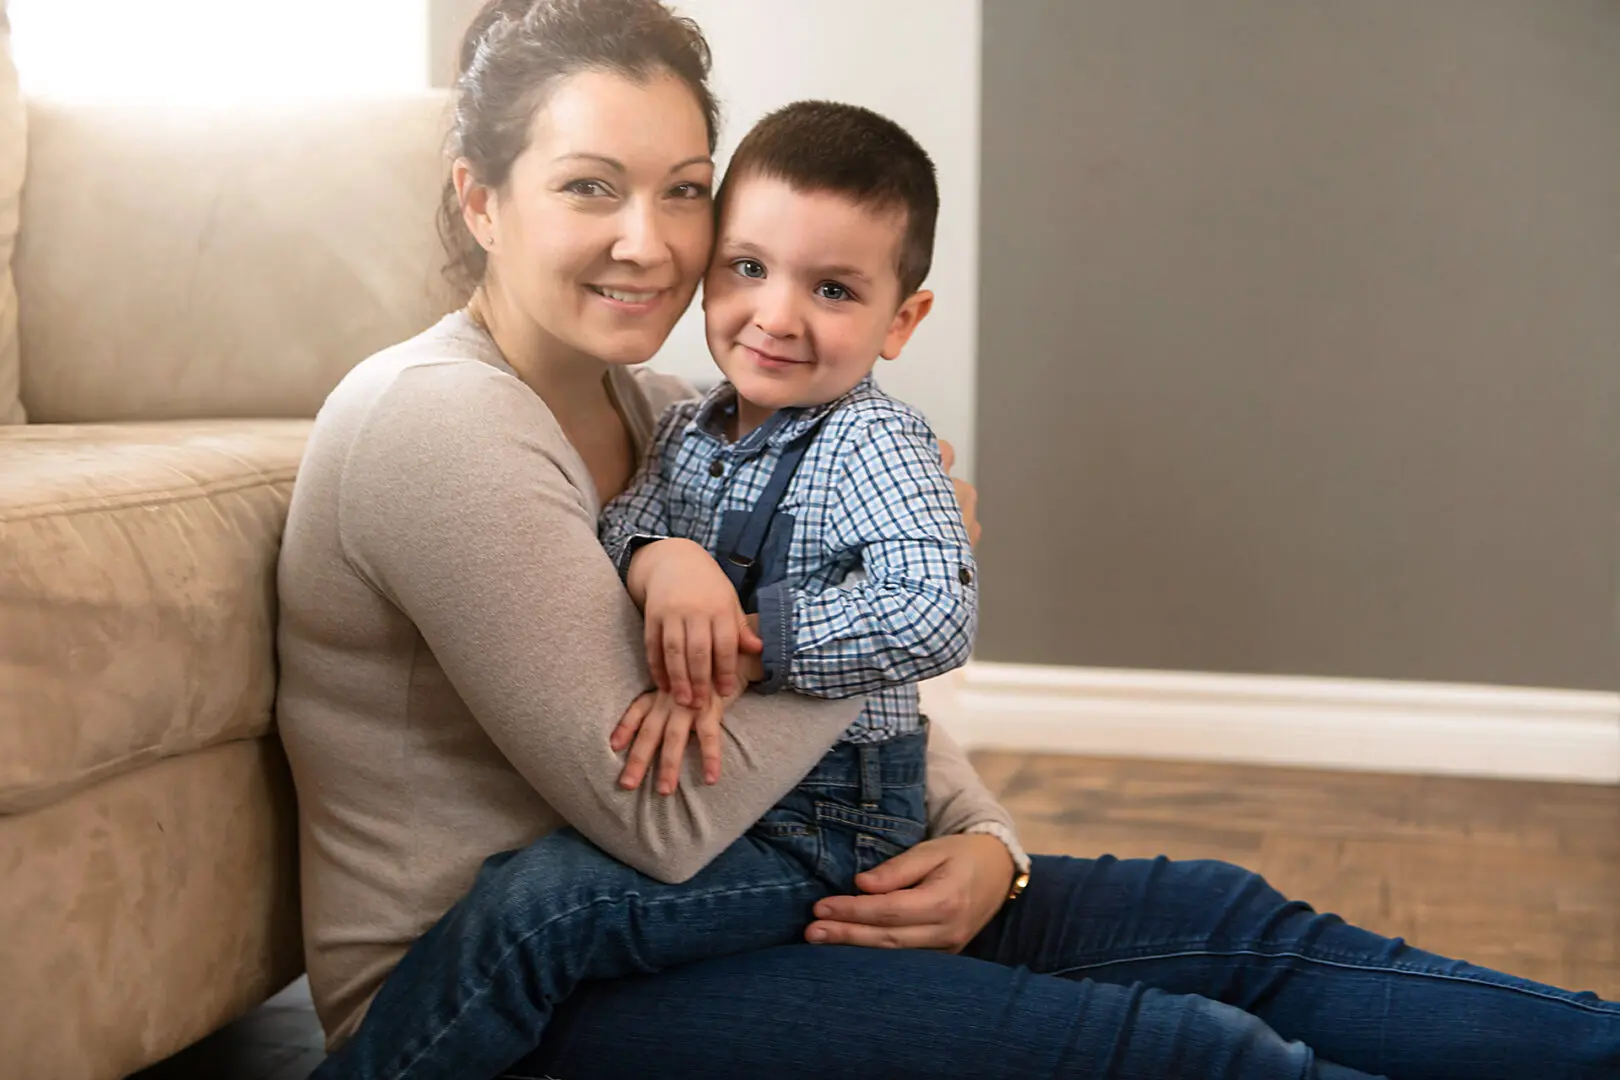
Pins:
<point x="1523" y="877"/>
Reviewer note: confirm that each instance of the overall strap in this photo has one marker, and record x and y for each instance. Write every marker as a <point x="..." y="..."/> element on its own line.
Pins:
<point x="739" y="561"/>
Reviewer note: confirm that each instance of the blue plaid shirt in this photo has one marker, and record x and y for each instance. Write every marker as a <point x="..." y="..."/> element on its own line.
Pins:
<point x="880" y="587"/>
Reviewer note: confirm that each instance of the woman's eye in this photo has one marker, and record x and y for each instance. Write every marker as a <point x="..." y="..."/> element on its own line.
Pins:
<point x="586" y="187"/>
<point x="831" y="290"/>
<point x="690" y="190"/>
<point x="749" y="268"/>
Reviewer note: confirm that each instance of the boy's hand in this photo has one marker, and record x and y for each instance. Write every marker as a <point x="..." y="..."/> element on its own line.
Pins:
<point x="655" y="719"/>
<point x="695" y="626"/>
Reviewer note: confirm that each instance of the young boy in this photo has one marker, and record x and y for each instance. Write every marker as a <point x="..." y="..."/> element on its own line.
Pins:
<point x="796" y="512"/>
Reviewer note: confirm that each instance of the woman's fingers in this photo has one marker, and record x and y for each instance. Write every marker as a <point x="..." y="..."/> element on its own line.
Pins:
<point x="648" y="738"/>
<point x="630" y="722"/>
<point x="877" y="937"/>
<point x="708" y="733"/>
<point x="676" y="735"/>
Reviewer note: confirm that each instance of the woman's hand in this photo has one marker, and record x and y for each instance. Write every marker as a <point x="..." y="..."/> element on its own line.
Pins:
<point x="938" y="895"/>
<point x="695" y="627"/>
<point x="967" y="496"/>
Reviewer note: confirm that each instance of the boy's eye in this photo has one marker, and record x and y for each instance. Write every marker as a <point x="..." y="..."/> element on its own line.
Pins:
<point x="749" y="268"/>
<point x="691" y="189"/>
<point x="831" y="290"/>
<point x="586" y="187"/>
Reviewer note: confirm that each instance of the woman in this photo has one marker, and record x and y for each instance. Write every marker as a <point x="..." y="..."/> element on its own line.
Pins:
<point x="456" y="649"/>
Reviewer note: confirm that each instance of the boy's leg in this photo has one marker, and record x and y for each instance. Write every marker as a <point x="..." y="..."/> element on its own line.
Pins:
<point x="474" y="993"/>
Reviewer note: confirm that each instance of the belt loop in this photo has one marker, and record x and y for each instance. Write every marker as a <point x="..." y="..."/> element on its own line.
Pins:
<point x="871" y="776"/>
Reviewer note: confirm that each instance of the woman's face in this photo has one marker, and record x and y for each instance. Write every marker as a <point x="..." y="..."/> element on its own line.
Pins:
<point x="603" y="230"/>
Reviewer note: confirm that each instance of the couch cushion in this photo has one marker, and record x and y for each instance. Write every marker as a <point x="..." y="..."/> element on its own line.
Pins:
<point x="13" y="149"/>
<point x="137" y="594"/>
<point x="142" y="913"/>
<point x="231" y="261"/>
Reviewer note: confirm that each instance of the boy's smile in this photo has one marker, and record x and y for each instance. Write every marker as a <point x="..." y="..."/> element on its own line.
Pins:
<point x="803" y="295"/>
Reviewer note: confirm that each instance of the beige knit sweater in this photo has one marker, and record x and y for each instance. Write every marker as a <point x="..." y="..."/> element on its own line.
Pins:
<point x="455" y="648"/>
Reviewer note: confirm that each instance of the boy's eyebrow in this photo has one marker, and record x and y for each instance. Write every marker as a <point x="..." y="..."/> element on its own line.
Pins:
<point x="618" y="166"/>
<point x="743" y="247"/>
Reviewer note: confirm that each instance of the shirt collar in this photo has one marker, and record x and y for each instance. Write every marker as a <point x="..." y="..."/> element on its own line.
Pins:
<point x="785" y="425"/>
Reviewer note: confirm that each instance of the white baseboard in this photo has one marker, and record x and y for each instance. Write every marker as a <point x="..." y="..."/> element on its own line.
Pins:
<point x="1502" y="732"/>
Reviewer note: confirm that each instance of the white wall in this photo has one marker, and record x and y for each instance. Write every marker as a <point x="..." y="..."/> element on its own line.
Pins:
<point x="916" y="61"/>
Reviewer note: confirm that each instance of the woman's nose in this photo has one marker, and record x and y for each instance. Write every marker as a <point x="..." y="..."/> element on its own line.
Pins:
<point x="641" y="235"/>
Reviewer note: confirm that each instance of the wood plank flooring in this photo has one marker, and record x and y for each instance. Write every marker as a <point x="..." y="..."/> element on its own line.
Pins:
<point x="1523" y="877"/>
<point x="1517" y="876"/>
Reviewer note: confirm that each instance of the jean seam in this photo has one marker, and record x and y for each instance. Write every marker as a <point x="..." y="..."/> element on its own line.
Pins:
<point x="1584" y="1006"/>
<point x="518" y="943"/>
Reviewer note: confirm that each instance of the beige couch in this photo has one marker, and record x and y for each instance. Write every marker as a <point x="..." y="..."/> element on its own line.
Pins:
<point x="189" y="285"/>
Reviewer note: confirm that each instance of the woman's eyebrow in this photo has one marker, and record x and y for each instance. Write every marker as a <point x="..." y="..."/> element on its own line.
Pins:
<point x="618" y="166"/>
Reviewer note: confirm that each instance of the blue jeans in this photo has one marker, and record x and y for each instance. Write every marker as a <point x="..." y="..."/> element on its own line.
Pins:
<point x="1108" y="970"/>
<point x="475" y="993"/>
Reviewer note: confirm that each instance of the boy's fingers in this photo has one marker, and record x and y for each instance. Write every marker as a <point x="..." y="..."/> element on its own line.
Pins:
<point x="708" y="733"/>
<point x="630" y="721"/>
<point x="655" y="655"/>
<point x="680" y="685"/>
<point x="748" y="639"/>
<point x="725" y="657"/>
<point x="646" y="745"/>
<point x="699" y="659"/>
<point x="676" y="735"/>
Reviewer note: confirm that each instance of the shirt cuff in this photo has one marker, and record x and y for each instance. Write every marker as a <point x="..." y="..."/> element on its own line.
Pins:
<point x="996" y="829"/>
<point x="776" y="630"/>
<point x="634" y="543"/>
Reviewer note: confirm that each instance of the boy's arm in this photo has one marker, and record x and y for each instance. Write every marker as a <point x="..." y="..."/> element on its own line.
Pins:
<point x="915" y="613"/>
<point x="637" y="516"/>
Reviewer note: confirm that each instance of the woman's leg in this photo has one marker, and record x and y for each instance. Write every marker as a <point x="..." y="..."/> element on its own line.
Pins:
<point x="806" y="1012"/>
<point x="1368" y="1002"/>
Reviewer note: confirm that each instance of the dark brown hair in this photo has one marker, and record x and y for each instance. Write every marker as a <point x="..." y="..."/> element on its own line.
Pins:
<point x="830" y="146"/>
<point x="512" y="56"/>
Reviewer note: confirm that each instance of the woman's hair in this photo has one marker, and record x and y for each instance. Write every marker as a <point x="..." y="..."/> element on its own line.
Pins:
<point x="514" y="54"/>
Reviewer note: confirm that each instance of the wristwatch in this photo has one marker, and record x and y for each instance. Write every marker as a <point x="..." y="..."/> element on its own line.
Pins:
<point x="1019" y="884"/>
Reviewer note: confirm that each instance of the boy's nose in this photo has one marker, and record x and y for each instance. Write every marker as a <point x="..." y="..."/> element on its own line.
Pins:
<point x="777" y="316"/>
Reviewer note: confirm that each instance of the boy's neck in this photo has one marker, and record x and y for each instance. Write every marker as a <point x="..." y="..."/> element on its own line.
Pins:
<point x="746" y="418"/>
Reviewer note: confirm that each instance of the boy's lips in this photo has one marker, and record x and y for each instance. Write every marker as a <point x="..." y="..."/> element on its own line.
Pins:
<point x="773" y="359"/>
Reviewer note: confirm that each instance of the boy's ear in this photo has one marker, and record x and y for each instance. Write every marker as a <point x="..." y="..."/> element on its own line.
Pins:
<point x="913" y="311"/>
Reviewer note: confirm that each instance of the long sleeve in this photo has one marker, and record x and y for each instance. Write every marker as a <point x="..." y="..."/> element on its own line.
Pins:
<point x="640" y="513"/>
<point x="913" y="612"/>
<point x="958" y="801"/>
<point x="458" y="507"/>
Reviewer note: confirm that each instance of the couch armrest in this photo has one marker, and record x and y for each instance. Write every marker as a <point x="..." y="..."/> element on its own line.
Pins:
<point x="223" y="262"/>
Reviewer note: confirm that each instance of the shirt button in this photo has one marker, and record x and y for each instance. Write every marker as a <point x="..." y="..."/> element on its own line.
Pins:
<point x="965" y="576"/>
<point x="717" y="467"/>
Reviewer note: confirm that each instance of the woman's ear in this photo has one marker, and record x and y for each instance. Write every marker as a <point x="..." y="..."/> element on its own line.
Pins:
<point x="477" y="203"/>
<point x="913" y="311"/>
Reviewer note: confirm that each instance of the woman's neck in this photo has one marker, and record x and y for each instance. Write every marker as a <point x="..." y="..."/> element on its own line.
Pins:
<point x="567" y="380"/>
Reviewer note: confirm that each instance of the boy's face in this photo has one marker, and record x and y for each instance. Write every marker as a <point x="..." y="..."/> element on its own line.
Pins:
<point x="803" y="294"/>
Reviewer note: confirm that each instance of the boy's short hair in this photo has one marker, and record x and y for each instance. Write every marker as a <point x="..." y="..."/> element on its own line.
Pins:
<point x="848" y="150"/>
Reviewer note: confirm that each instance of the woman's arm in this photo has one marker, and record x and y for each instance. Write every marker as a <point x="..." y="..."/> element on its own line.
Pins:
<point x="462" y="504"/>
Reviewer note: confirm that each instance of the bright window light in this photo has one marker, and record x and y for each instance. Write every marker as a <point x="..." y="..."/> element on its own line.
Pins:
<point x="207" y="51"/>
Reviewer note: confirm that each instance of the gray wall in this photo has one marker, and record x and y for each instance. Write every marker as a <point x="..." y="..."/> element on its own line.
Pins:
<point x="1300" y="337"/>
